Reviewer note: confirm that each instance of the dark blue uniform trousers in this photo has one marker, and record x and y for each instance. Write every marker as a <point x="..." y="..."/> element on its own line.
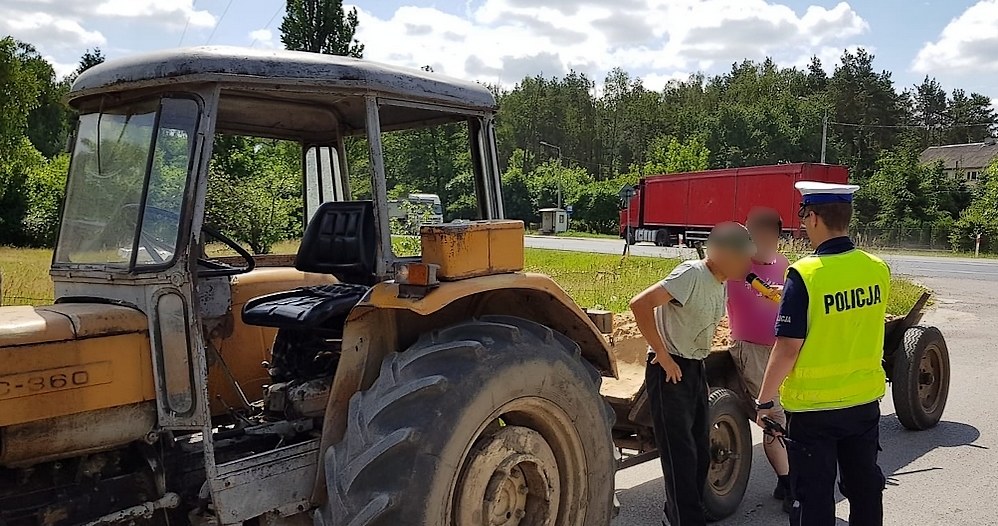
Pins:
<point x="682" y="434"/>
<point x="843" y="442"/>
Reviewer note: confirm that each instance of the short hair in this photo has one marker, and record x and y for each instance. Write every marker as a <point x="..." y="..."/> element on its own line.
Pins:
<point x="732" y="236"/>
<point x="836" y="216"/>
<point x="768" y="217"/>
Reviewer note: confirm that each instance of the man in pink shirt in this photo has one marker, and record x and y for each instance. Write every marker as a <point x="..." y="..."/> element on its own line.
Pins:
<point x="753" y="328"/>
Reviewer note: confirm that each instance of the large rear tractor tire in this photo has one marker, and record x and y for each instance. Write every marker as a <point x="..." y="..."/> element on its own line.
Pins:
<point x="491" y="422"/>
<point x="730" y="455"/>
<point x="920" y="379"/>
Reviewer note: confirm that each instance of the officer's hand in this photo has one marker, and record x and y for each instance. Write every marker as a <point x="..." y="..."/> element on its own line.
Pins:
<point x="764" y="413"/>
<point x="777" y="288"/>
<point x="672" y="371"/>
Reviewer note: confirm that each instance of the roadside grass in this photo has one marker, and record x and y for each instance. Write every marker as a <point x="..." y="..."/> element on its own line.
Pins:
<point x="601" y="281"/>
<point x="24" y="276"/>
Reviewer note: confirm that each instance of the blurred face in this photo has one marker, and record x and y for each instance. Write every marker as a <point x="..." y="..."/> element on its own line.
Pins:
<point x="766" y="234"/>
<point x="734" y="264"/>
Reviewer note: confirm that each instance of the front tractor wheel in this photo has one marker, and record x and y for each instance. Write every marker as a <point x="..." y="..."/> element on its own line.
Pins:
<point x="486" y="423"/>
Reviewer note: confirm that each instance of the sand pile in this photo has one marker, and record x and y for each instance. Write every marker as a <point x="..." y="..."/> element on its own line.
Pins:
<point x="628" y="339"/>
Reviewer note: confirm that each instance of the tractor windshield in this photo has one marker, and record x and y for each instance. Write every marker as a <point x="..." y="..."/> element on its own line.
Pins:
<point x="127" y="181"/>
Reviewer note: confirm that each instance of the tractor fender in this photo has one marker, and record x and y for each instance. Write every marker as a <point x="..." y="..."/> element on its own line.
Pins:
<point x="382" y="322"/>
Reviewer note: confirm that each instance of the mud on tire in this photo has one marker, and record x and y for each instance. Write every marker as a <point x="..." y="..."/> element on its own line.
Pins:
<point x="487" y="420"/>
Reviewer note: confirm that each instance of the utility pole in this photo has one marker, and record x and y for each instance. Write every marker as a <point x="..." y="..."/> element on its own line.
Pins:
<point x="824" y="137"/>
<point x="549" y="145"/>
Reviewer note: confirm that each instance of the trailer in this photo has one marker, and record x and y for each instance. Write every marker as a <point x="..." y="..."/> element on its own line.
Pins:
<point x="676" y="209"/>
<point x="916" y="361"/>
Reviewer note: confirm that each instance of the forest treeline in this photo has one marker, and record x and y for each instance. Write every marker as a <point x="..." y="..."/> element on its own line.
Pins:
<point x="589" y="137"/>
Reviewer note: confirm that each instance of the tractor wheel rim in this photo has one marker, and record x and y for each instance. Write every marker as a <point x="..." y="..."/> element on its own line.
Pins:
<point x="724" y="444"/>
<point x="929" y="379"/>
<point x="510" y="478"/>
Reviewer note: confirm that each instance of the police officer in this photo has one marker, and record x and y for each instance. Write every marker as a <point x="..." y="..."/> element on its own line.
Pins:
<point x="827" y="357"/>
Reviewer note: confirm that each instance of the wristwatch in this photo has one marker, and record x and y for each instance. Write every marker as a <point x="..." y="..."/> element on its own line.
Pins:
<point x="759" y="406"/>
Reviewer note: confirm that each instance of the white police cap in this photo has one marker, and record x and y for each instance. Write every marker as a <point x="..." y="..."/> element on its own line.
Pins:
<point x="815" y="193"/>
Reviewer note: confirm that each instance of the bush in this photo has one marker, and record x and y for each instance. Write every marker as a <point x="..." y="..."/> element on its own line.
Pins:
<point x="46" y="189"/>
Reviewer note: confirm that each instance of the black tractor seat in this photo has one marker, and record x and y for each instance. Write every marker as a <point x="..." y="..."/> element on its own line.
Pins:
<point x="305" y="307"/>
<point x="340" y="240"/>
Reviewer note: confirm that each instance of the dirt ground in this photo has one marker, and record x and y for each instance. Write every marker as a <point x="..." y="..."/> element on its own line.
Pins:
<point x="630" y="346"/>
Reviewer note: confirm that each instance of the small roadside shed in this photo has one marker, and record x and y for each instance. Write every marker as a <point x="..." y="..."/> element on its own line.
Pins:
<point x="554" y="220"/>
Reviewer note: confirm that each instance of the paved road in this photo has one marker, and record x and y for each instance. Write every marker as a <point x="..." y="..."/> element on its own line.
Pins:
<point x="945" y="475"/>
<point x="918" y="266"/>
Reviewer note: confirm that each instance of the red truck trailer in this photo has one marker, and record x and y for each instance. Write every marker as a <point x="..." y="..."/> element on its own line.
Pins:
<point x="665" y="207"/>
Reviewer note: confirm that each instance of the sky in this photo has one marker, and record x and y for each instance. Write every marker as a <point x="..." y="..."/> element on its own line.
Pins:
<point x="502" y="41"/>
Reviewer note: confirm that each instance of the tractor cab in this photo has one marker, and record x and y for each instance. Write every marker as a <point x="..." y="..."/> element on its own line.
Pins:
<point x="135" y="229"/>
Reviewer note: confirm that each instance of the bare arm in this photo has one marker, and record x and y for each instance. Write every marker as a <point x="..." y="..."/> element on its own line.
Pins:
<point x="781" y="362"/>
<point x="643" y="306"/>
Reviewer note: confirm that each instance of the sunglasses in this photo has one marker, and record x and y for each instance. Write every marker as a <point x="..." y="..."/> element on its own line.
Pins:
<point x="804" y="212"/>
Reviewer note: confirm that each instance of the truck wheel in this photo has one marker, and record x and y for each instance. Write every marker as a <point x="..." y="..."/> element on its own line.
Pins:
<point x="730" y="455"/>
<point x="488" y="422"/>
<point x="920" y="379"/>
<point x="661" y="238"/>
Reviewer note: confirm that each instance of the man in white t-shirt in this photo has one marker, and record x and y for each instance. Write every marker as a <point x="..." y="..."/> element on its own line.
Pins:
<point x="678" y="317"/>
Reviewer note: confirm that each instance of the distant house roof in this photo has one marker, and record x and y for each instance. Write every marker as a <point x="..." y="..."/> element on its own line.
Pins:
<point x="961" y="156"/>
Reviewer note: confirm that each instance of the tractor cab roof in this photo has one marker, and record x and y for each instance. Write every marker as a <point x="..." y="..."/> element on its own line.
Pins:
<point x="261" y="87"/>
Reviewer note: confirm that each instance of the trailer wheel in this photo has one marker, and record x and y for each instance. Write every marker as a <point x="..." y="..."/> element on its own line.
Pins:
<point x="730" y="455"/>
<point x="496" y="421"/>
<point x="920" y="379"/>
<point x="661" y="238"/>
<point x="630" y="237"/>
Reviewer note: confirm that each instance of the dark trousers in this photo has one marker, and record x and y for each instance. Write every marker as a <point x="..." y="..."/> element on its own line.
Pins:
<point x="843" y="442"/>
<point x="679" y="413"/>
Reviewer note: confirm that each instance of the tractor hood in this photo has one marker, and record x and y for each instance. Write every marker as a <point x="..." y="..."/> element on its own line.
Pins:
<point x="25" y="325"/>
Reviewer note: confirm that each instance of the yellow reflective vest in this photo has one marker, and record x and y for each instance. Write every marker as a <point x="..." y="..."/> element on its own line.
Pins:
<point x="839" y="365"/>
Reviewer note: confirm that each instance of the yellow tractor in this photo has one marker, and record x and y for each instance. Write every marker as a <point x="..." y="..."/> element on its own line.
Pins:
<point x="344" y="385"/>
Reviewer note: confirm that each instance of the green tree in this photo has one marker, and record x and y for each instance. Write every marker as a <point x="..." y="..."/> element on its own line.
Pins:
<point x="254" y="191"/>
<point x="321" y="26"/>
<point x="20" y="88"/>
<point x="667" y="155"/>
<point x="48" y="120"/>
<point x="981" y="217"/>
<point x="45" y="188"/>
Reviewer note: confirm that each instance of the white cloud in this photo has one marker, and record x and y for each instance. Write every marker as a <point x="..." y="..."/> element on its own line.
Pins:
<point x="505" y="40"/>
<point x="47" y="30"/>
<point x="64" y="28"/>
<point x="967" y="44"/>
<point x="263" y="38"/>
<point x="61" y="68"/>
<point x="171" y="12"/>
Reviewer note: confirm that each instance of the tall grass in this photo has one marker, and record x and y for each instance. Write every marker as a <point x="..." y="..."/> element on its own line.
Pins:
<point x="593" y="280"/>
<point x="24" y="276"/>
<point x="599" y="280"/>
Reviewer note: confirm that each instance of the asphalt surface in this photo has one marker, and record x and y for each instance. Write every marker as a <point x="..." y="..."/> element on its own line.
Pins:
<point x="918" y="266"/>
<point x="945" y="475"/>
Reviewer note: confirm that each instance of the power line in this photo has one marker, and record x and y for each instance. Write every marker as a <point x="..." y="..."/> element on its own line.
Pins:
<point x="212" y="35"/>
<point x="194" y="5"/>
<point x="903" y="126"/>
<point x="280" y="8"/>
